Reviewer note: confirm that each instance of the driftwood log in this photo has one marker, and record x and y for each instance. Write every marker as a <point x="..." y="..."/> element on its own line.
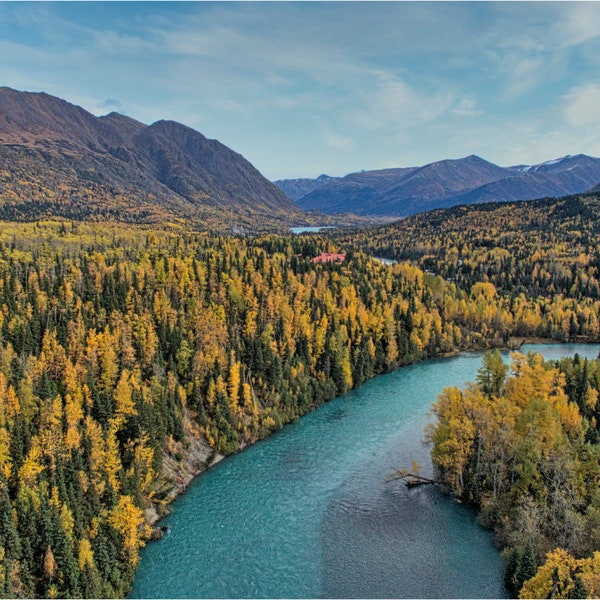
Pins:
<point x="409" y="478"/>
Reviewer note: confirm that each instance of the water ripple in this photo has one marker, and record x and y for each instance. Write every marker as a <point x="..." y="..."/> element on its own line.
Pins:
<point x="306" y="513"/>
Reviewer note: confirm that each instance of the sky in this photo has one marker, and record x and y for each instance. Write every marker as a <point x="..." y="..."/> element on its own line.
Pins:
<point x="305" y="88"/>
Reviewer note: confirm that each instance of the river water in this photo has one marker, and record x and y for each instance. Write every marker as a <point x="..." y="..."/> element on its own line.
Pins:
<point x="307" y="513"/>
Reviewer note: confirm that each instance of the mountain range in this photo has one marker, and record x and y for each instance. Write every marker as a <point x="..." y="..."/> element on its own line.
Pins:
<point x="470" y="180"/>
<point x="57" y="159"/>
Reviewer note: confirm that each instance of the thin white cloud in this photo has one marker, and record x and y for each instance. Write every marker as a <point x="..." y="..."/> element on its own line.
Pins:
<point x="110" y="103"/>
<point x="582" y="106"/>
<point x="520" y="65"/>
<point x="109" y="43"/>
<point x="280" y="51"/>
<point x="580" y="23"/>
<point x="466" y="107"/>
<point x="338" y="141"/>
<point x="525" y="74"/>
<point x="390" y="101"/>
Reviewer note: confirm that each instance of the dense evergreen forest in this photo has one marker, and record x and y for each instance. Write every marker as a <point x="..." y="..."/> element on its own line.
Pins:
<point x="526" y="450"/>
<point x="120" y="344"/>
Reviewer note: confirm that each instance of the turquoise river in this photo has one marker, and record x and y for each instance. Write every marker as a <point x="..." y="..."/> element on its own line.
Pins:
<point x="307" y="513"/>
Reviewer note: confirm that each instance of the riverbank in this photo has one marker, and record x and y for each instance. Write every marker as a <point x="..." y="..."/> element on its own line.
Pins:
<point x="183" y="461"/>
<point x="497" y="476"/>
<point x="307" y="513"/>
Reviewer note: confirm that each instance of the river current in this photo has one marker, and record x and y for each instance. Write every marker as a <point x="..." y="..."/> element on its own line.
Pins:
<point x="307" y="513"/>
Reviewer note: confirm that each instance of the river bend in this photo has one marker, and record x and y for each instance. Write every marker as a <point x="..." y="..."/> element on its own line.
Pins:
<point x="307" y="514"/>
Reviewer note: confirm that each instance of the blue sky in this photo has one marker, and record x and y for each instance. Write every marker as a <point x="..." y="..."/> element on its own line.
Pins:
<point x="304" y="88"/>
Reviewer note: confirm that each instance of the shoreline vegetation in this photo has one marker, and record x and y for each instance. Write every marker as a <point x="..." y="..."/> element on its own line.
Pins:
<point x="524" y="450"/>
<point x="132" y="356"/>
<point x="199" y="457"/>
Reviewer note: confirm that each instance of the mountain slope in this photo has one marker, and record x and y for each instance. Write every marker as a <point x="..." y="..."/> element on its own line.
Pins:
<point x="27" y="118"/>
<point x="426" y="187"/>
<point x="353" y="193"/>
<point x="58" y="159"/>
<point x="297" y="188"/>
<point x="557" y="178"/>
<point x="203" y="170"/>
<point x="469" y="180"/>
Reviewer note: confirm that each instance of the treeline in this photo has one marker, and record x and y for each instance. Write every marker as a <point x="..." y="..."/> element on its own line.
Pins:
<point x="540" y="248"/>
<point x="118" y="343"/>
<point x="525" y="449"/>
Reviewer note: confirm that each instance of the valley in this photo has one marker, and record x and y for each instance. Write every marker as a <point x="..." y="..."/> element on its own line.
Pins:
<point x="157" y="314"/>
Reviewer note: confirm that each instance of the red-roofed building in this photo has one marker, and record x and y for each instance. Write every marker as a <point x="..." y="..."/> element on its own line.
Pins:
<point x="325" y="257"/>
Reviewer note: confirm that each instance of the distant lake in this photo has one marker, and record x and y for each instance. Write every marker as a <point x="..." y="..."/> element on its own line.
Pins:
<point x="306" y="513"/>
<point x="296" y="230"/>
<point x="385" y="261"/>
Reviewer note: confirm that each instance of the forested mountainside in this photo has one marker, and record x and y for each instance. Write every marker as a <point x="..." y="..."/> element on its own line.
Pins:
<point x="120" y="346"/>
<point x="526" y="450"/>
<point x="56" y="159"/>
<point x="471" y="180"/>
<point x="539" y="248"/>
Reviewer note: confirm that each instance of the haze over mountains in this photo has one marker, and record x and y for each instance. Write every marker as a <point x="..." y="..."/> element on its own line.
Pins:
<point x="58" y="159"/>
<point x="471" y="180"/>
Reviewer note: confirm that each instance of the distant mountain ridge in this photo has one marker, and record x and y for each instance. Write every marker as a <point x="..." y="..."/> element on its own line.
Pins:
<point x="470" y="180"/>
<point x="57" y="159"/>
<point x="297" y="188"/>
